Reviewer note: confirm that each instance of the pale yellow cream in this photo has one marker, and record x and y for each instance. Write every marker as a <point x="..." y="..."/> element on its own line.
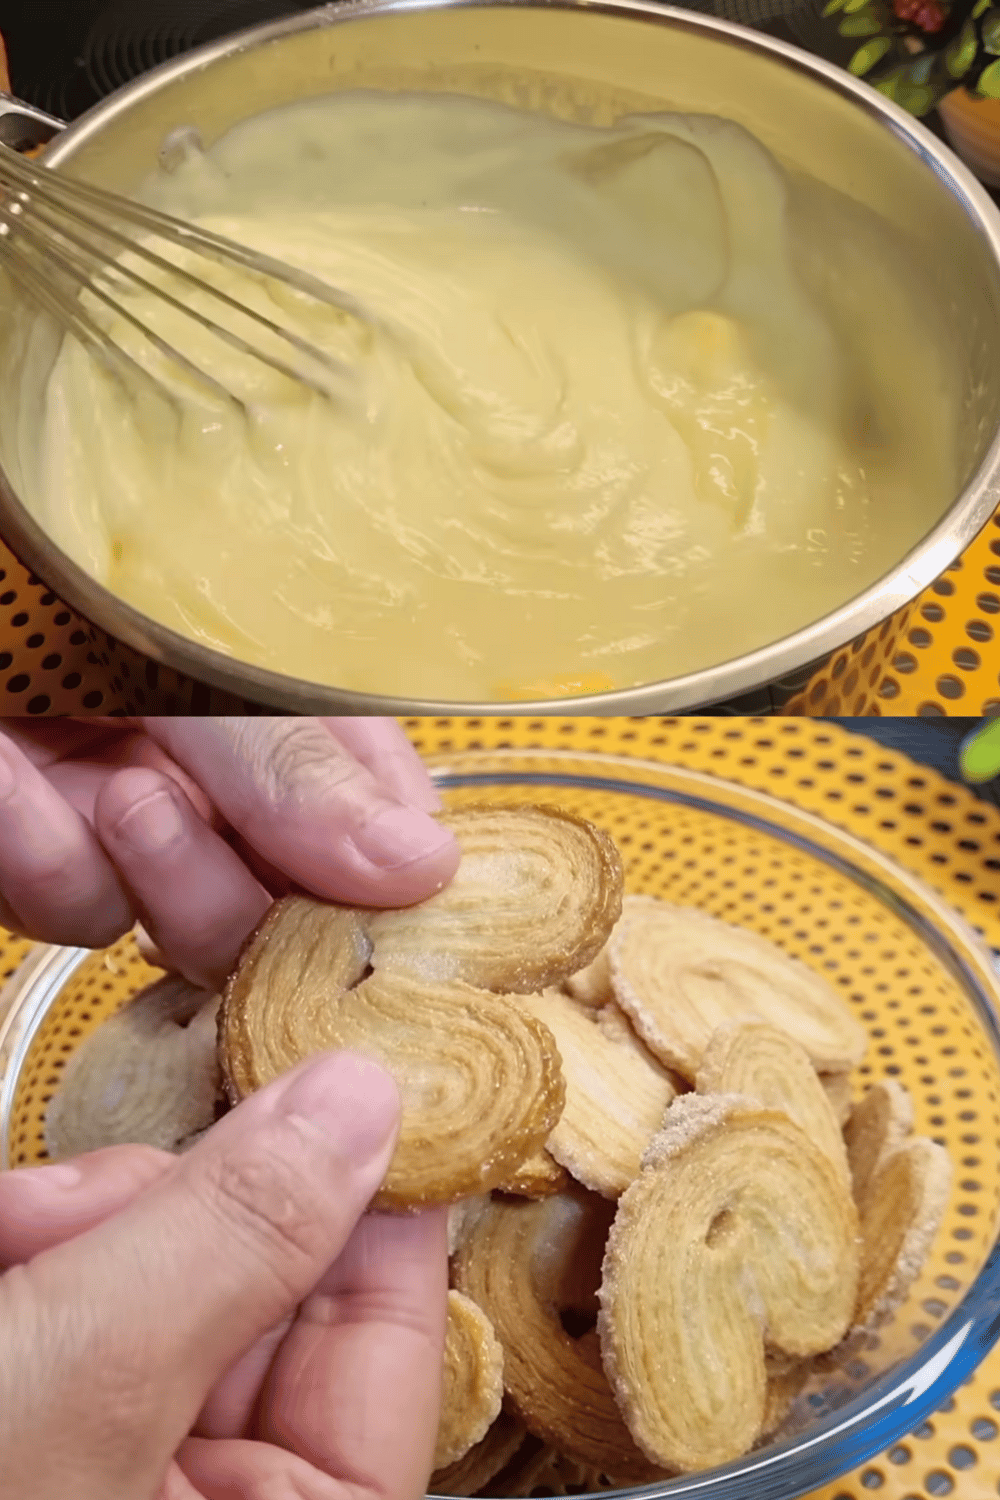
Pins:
<point x="603" y="433"/>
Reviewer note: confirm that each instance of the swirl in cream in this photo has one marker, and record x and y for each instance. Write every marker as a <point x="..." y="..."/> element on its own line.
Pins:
<point x="605" y="430"/>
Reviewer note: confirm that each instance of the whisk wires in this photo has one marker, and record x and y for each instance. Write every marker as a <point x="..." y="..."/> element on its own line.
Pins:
<point x="61" y="238"/>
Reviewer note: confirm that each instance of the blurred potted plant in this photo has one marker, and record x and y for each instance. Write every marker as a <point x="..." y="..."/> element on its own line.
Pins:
<point x="927" y="54"/>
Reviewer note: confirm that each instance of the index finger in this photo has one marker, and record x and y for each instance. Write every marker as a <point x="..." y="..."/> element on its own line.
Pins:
<point x="304" y="803"/>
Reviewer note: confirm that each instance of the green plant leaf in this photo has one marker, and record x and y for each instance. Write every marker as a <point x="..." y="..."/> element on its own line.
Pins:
<point x="867" y="56"/>
<point x="860" y="26"/>
<point x="989" y="81"/>
<point x="980" y="8"/>
<point x="961" y="53"/>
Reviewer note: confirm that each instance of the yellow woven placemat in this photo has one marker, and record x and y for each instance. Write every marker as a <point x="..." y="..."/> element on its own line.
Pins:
<point x="934" y="828"/>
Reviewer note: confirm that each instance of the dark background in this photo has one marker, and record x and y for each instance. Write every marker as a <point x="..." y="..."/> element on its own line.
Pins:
<point x="65" y="55"/>
<point x="933" y="742"/>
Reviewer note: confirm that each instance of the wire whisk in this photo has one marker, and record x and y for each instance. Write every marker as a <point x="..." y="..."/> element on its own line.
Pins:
<point x="63" y="240"/>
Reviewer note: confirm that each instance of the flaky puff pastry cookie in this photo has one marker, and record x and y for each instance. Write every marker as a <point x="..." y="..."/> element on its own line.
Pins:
<point x="529" y="1265"/>
<point x="148" y="1075"/>
<point x="767" y="1065"/>
<point x="616" y="1096"/>
<point x="680" y="974"/>
<point x="472" y="1383"/>
<point x="538" y="1177"/>
<point x="901" y="1184"/>
<point x="840" y="1094"/>
<point x="474" y="1471"/>
<point x="536" y="893"/>
<point x="876" y="1125"/>
<point x="739" y="1236"/>
<point x="541" y="1469"/>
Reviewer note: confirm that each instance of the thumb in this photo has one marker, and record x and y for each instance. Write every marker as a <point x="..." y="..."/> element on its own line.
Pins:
<point x="118" y="1336"/>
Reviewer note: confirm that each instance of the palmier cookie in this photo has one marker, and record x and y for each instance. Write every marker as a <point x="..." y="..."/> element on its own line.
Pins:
<point x="901" y="1204"/>
<point x="148" y="1075"/>
<point x="472" y="1385"/>
<point x="766" y="1065"/>
<point x="877" y="1124"/>
<point x="840" y="1094"/>
<point x="475" y="1469"/>
<point x="616" y="1097"/>
<point x="592" y="985"/>
<point x="525" y="1263"/>
<point x="538" y="1177"/>
<point x="680" y="974"/>
<point x="738" y="1237"/>
<point x="480" y="1081"/>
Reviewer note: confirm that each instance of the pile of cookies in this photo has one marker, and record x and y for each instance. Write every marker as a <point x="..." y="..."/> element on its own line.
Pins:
<point x="665" y="1207"/>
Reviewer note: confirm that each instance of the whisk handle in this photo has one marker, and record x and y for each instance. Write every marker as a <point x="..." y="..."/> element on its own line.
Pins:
<point x="22" y="125"/>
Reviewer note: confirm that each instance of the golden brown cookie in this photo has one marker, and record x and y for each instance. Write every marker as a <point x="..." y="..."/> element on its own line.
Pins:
<point x="739" y="1236"/>
<point x="473" y="1472"/>
<point x="480" y="1081"/>
<point x="460" y="1216"/>
<point x="531" y="1266"/>
<point x="902" y="1204"/>
<point x="538" y="1177"/>
<point x="680" y="974"/>
<point x="472" y="1385"/>
<point x="539" y="1469"/>
<point x="615" y="1097"/>
<point x="147" y="1075"/>
<point x="592" y="985"/>
<point x="764" y="1064"/>
<point x="840" y="1094"/>
<point x="535" y="896"/>
<point x="537" y="893"/>
<point x="877" y="1124"/>
<point x="786" y="1379"/>
<point x="618" y="1028"/>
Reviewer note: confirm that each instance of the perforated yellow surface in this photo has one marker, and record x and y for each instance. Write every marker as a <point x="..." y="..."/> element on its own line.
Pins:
<point x="922" y="1028"/>
<point x="948" y="660"/>
<point x="939" y="656"/>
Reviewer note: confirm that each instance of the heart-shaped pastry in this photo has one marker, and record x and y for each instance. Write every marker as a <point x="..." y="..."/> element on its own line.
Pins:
<point x="616" y="1096"/>
<point x="680" y="974"/>
<point x="531" y="1266"/>
<point x="764" y="1064"/>
<point x="422" y="992"/>
<point x="472" y="1384"/>
<point x="148" y="1075"/>
<point x="740" y="1236"/>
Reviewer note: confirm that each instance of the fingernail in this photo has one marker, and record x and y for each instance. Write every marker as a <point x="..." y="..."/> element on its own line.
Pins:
<point x="352" y="1100"/>
<point x="59" y="1175"/>
<point x="151" y="825"/>
<point x="398" y="836"/>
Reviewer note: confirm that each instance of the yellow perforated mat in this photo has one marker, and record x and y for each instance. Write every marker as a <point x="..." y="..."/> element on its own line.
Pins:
<point x="921" y="1025"/>
<point x="939" y="656"/>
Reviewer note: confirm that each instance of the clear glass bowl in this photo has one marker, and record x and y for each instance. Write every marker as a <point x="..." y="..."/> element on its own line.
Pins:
<point x="916" y="974"/>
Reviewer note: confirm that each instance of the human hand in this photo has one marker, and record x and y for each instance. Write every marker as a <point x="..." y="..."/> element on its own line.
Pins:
<point x="224" y="1325"/>
<point x="192" y="826"/>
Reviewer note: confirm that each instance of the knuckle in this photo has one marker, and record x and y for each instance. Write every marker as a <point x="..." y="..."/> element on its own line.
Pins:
<point x="288" y="759"/>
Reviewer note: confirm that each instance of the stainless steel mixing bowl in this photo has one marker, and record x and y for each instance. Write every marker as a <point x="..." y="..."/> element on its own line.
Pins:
<point x="617" y="55"/>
